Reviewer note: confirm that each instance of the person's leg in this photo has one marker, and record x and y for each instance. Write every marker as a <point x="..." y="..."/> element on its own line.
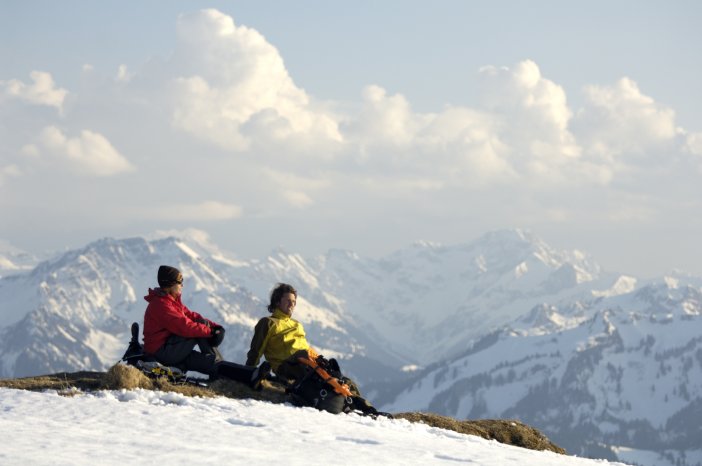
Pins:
<point x="250" y="375"/>
<point x="175" y="350"/>
<point x="207" y="348"/>
<point x="179" y="351"/>
<point x="234" y="371"/>
<point x="203" y="363"/>
<point x="291" y="369"/>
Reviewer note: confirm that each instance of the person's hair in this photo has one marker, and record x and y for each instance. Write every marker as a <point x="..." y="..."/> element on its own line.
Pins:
<point x="168" y="276"/>
<point x="277" y="294"/>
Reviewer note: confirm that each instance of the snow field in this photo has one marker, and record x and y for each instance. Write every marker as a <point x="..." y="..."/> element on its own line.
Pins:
<point x="144" y="427"/>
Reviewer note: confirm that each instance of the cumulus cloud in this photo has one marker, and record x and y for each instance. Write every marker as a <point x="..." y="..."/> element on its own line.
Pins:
<point x="229" y="81"/>
<point x="523" y="89"/>
<point x="534" y="117"/>
<point x="470" y="145"/>
<point x="457" y="145"/>
<point x="199" y="212"/>
<point x="41" y="91"/>
<point x="385" y="120"/>
<point x="620" y="120"/>
<point x="222" y="114"/>
<point x="89" y="153"/>
<point x="520" y="131"/>
<point x="123" y="74"/>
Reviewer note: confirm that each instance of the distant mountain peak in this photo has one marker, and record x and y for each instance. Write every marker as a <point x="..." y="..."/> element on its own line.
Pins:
<point x="14" y="260"/>
<point x="193" y="237"/>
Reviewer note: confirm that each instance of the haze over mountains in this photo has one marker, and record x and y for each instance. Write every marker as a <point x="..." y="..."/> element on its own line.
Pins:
<point x="504" y="326"/>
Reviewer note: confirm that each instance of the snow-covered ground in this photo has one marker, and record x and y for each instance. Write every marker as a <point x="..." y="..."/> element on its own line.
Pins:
<point x="147" y="427"/>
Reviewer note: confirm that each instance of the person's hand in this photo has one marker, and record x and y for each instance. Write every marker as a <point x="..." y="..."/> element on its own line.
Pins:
<point x="217" y="336"/>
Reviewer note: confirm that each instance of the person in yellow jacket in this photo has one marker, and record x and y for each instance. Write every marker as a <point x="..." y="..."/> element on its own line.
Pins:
<point x="279" y="338"/>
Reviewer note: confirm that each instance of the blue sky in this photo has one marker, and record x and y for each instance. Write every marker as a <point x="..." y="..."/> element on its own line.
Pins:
<point x="367" y="126"/>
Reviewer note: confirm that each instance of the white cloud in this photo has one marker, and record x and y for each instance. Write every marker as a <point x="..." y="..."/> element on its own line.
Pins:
<point x="469" y="145"/>
<point x="227" y="77"/>
<point x="458" y="145"/>
<point x="223" y="115"/>
<point x="123" y="74"/>
<point x="199" y="212"/>
<point x="88" y="154"/>
<point x="297" y="198"/>
<point x="535" y="116"/>
<point x="525" y="90"/>
<point x="520" y="133"/>
<point x="619" y="120"/>
<point x="385" y="120"/>
<point x="41" y="91"/>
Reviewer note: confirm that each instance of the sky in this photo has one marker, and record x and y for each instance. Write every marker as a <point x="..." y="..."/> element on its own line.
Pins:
<point x="364" y="126"/>
<point x="139" y="426"/>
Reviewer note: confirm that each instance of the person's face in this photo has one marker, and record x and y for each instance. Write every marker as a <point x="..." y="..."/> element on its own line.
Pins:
<point x="287" y="303"/>
<point x="175" y="290"/>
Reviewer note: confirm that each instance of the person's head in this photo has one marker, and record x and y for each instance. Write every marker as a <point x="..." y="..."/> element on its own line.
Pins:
<point x="170" y="280"/>
<point x="283" y="297"/>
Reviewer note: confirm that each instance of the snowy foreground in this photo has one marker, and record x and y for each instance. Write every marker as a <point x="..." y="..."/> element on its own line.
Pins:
<point x="143" y="427"/>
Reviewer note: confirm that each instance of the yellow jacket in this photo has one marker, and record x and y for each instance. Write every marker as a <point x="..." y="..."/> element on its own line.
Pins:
<point x="277" y="338"/>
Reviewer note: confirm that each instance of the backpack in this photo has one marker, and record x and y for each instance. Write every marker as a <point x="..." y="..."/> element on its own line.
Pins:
<point x="322" y="386"/>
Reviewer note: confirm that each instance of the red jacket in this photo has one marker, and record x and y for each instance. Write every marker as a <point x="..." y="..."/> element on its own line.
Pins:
<point x="166" y="316"/>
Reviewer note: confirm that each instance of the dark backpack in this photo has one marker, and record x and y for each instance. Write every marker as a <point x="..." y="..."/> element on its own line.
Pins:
<point x="322" y="386"/>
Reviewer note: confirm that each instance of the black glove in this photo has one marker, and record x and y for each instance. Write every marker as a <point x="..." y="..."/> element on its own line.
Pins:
<point x="217" y="336"/>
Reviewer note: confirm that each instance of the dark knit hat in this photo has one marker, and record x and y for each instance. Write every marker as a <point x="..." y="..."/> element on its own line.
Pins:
<point x="169" y="276"/>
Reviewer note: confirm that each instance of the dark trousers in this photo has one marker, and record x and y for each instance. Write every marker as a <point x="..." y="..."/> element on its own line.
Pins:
<point x="180" y="351"/>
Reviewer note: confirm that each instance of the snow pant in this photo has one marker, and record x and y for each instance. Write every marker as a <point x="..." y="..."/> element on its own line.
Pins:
<point x="180" y="351"/>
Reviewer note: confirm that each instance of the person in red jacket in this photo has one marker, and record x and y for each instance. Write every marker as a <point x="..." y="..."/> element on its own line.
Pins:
<point x="171" y="332"/>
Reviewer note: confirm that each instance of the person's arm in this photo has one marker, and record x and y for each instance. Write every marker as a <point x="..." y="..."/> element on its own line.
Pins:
<point x="181" y="324"/>
<point x="197" y="317"/>
<point x="259" y="341"/>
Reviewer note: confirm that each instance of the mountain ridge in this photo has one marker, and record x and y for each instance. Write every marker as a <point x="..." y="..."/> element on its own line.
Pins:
<point x="428" y="326"/>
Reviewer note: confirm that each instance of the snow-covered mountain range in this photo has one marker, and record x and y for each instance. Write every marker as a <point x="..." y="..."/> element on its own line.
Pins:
<point x="504" y="326"/>
<point x="14" y="260"/>
<point x="615" y="372"/>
